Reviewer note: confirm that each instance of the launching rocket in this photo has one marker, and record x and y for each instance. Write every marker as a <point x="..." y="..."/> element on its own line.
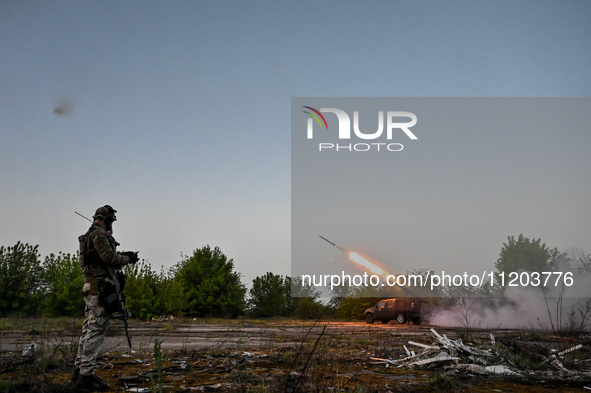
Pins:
<point x="370" y="266"/>
<point x="335" y="245"/>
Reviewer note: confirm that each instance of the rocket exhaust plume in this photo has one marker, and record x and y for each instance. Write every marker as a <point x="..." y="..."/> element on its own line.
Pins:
<point x="367" y="265"/>
<point x="364" y="263"/>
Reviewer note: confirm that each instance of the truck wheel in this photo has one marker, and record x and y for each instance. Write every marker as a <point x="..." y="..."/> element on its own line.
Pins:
<point x="401" y="318"/>
<point x="385" y="321"/>
<point x="369" y="318"/>
<point x="417" y="320"/>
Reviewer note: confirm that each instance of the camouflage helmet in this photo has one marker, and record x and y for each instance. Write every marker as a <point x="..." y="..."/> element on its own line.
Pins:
<point x="107" y="213"/>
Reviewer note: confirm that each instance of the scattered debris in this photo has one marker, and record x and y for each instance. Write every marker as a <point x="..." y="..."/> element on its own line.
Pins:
<point x="407" y="351"/>
<point x="500" y="369"/>
<point x="164" y="318"/>
<point x="441" y="357"/>
<point x="422" y="345"/>
<point x="30" y="350"/>
<point x="553" y="360"/>
<point x="570" y="350"/>
<point x="227" y="358"/>
<point x="215" y="386"/>
<point x="472" y="369"/>
<point x="457" y="356"/>
<point x="211" y="368"/>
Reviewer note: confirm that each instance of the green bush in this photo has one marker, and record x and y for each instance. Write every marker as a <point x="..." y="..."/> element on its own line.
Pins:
<point x="62" y="282"/>
<point x="211" y="286"/>
<point x="268" y="296"/>
<point x="20" y="279"/>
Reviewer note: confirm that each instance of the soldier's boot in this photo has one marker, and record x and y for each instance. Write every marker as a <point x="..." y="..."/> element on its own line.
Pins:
<point x="75" y="376"/>
<point x="91" y="383"/>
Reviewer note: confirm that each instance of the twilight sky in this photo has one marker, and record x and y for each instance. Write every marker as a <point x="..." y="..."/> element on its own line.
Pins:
<point x="178" y="113"/>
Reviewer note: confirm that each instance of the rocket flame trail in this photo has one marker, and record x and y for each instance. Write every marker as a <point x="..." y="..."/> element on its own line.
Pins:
<point x="369" y="267"/>
<point x="366" y="264"/>
<point x="360" y="260"/>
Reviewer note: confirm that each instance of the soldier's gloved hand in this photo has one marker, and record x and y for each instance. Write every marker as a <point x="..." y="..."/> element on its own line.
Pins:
<point x="133" y="256"/>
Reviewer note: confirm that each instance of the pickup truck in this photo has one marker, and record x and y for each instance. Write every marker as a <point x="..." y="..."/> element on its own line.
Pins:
<point x="400" y="310"/>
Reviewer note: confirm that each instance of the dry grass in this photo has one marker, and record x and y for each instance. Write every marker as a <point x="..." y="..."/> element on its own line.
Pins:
<point x="286" y="356"/>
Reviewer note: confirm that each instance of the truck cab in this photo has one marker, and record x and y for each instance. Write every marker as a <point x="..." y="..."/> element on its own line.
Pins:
<point x="401" y="310"/>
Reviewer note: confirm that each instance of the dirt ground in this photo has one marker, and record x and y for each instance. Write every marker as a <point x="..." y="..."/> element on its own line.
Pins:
<point x="283" y="356"/>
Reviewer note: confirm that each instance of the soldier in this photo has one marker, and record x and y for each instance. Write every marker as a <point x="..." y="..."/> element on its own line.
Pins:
<point x="97" y="254"/>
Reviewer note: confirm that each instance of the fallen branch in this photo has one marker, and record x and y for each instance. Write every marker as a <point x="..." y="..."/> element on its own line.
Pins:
<point x="570" y="350"/>
<point x="441" y="357"/>
<point x="422" y="345"/>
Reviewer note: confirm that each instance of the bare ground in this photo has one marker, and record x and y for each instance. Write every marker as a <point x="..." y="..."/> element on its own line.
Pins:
<point x="283" y="356"/>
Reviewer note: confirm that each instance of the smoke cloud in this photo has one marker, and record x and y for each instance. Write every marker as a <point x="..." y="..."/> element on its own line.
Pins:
<point x="555" y="308"/>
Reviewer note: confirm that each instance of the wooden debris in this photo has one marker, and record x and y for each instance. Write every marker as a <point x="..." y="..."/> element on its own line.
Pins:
<point x="380" y="360"/>
<point x="456" y="356"/>
<point x="472" y="368"/>
<point x="30" y="350"/>
<point x="407" y="351"/>
<point x="422" y="345"/>
<point x="570" y="350"/>
<point x="500" y="369"/>
<point x="553" y="360"/>
<point x="458" y="345"/>
<point x="556" y="363"/>
<point x="441" y="357"/>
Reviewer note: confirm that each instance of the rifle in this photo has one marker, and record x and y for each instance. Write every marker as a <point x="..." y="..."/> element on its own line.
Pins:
<point x="124" y="313"/>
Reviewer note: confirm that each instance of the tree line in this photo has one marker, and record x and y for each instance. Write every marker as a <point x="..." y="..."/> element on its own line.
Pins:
<point x="206" y="284"/>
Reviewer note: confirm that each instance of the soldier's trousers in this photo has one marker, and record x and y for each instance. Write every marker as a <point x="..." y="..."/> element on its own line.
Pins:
<point x="93" y="334"/>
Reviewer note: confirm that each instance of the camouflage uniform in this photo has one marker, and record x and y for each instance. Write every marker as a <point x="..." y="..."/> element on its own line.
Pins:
<point x="98" y="253"/>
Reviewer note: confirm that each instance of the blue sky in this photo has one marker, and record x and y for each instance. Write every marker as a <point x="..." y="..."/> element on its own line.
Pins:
<point x="180" y="111"/>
